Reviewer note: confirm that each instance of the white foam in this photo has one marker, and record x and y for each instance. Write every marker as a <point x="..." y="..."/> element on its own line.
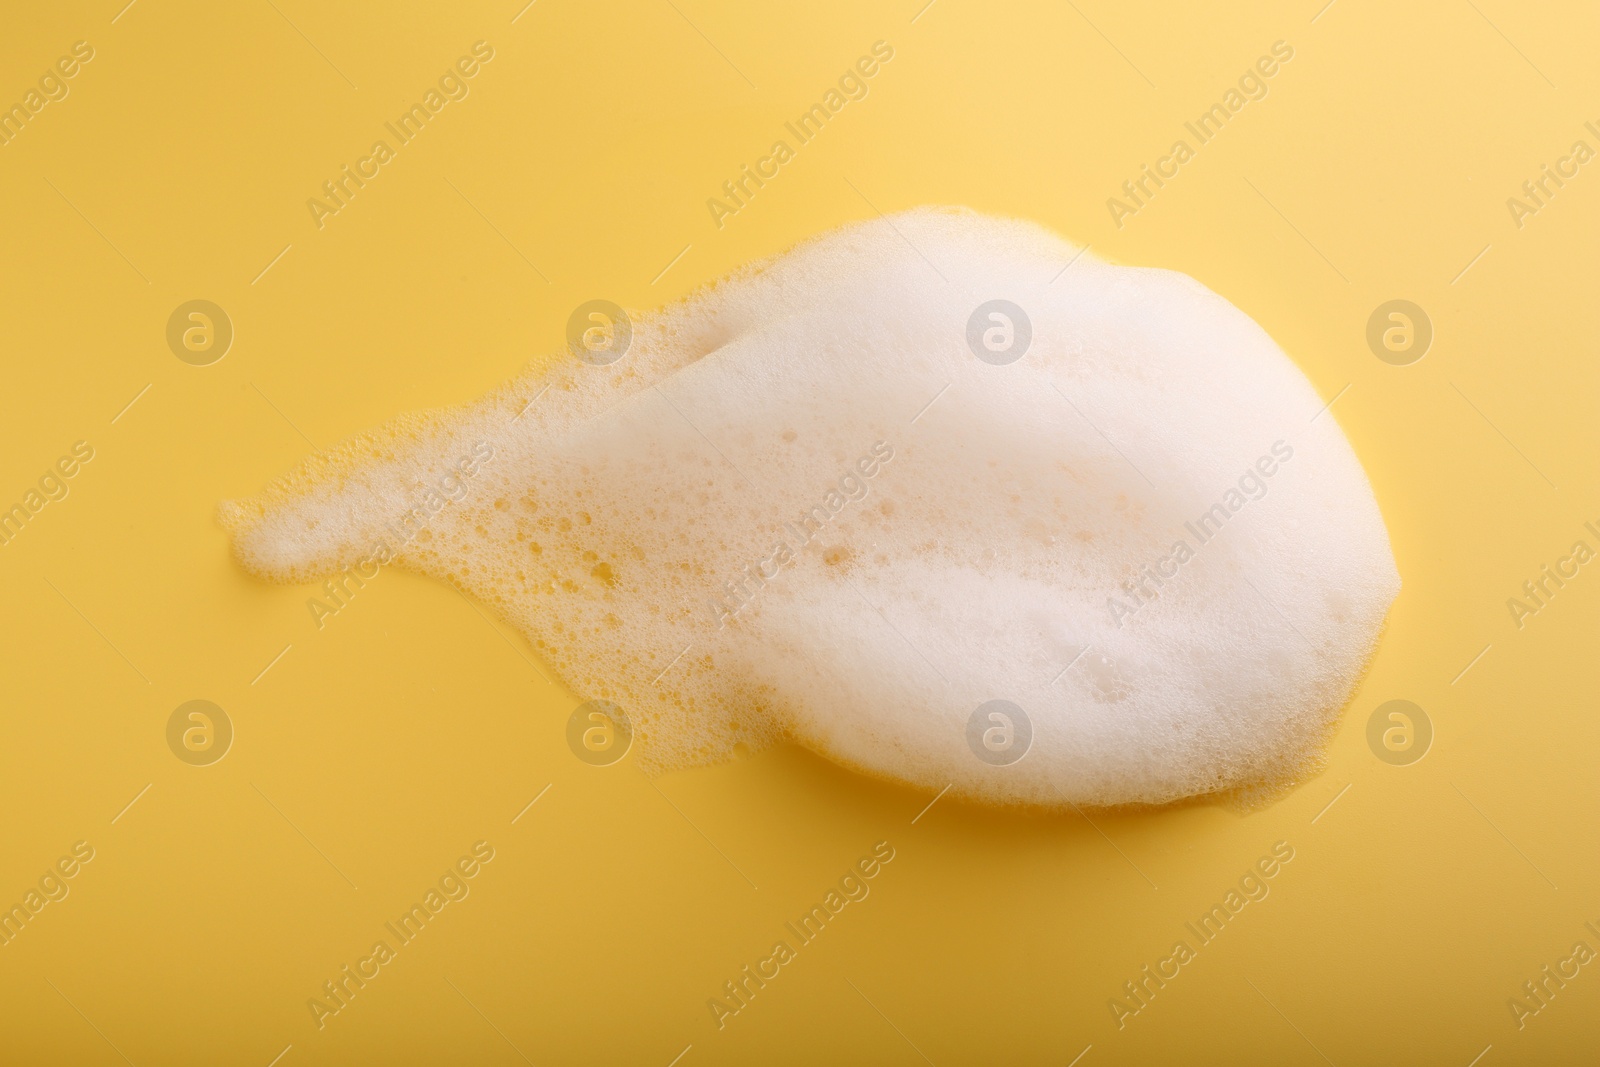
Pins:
<point x="981" y="561"/>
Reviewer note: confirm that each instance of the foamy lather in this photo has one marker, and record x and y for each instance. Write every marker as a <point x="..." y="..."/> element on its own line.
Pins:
<point x="1003" y="529"/>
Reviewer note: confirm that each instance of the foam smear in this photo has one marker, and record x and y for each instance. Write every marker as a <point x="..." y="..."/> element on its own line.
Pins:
<point x="801" y="509"/>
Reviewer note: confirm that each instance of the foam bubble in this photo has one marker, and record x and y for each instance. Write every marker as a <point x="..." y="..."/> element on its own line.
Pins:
<point x="810" y="504"/>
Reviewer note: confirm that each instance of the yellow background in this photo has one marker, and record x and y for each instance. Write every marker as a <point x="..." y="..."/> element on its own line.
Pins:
<point x="374" y="752"/>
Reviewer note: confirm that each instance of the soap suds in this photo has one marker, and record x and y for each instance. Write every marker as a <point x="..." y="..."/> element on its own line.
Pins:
<point x="800" y="508"/>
